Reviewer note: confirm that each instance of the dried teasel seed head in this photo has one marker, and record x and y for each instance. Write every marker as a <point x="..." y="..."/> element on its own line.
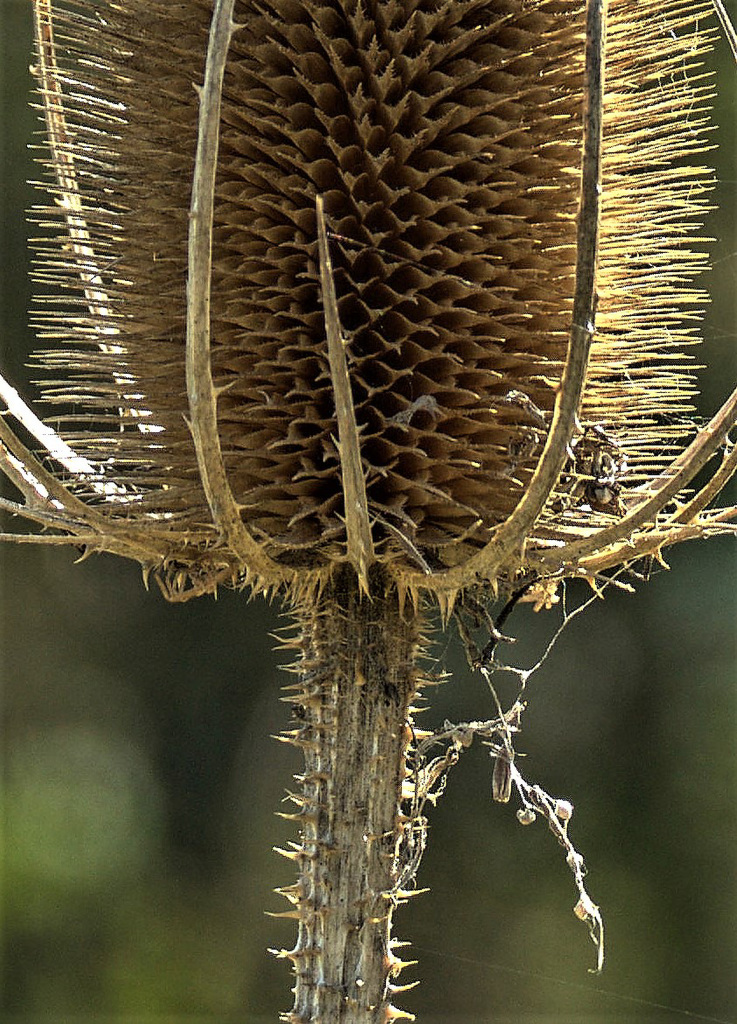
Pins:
<point x="444" y="142"/>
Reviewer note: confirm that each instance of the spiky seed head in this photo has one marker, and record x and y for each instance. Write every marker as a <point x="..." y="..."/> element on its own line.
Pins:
<point x="444" y="138"/>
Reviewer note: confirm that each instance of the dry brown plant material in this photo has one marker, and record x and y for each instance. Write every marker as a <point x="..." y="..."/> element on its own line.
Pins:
<point x="369" y="305"/>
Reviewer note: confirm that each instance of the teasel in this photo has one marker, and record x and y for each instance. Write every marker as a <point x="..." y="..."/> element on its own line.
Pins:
<point x="369" y="306"/>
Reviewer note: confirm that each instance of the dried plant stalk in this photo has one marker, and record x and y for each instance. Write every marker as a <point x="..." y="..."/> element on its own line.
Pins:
<point x="393" y="305"/>
<point x="358" y="678"/>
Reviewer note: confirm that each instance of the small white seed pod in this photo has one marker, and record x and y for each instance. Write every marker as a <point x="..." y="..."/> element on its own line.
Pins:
<point x="563" y="810"/>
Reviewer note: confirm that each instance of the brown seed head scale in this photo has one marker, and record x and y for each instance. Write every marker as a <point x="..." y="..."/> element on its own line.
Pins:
<point x="445" y="143"/>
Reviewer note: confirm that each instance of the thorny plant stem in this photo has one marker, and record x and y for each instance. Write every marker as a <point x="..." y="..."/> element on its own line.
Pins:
<point x="352" y="707"/>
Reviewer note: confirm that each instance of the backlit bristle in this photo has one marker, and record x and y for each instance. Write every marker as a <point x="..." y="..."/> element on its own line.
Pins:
<point x="655" y="197"/>
<point x="444" y="138"/>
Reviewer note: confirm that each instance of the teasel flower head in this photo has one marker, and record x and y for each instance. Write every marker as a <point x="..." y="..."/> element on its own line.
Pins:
<point x="331" y="290"/>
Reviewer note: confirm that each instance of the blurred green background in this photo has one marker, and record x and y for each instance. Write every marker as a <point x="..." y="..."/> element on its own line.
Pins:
<point x="140" y="780"/>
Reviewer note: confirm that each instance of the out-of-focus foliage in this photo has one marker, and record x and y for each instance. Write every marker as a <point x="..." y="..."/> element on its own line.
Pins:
<point x="140" y="780"/>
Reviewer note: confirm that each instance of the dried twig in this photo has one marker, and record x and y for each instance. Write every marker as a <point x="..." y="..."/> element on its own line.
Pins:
<point x="558" y="813"/>
<point x="427" y="782"/>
